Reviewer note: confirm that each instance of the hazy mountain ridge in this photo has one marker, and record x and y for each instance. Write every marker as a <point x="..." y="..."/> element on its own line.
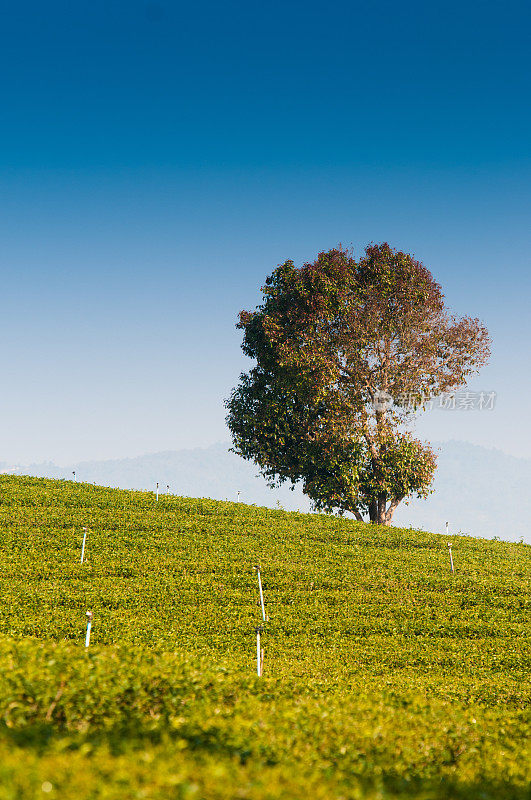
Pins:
<point x="480" y="491"/>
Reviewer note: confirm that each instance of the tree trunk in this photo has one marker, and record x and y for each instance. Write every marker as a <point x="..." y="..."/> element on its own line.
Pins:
<point x="392" y="508"/>
<point x="378" y="513"/>
<point x="382" y="500"/>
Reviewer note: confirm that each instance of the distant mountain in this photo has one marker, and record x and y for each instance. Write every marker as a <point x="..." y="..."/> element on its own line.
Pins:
<point x="479" y="491"/>
<point x="202" y="472"/>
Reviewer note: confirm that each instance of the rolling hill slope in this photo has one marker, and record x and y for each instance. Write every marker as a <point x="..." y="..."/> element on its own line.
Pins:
<point x="385" y="674"/>
<point x="474" y="489"/>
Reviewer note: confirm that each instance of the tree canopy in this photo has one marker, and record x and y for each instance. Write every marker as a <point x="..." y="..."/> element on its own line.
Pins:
<point x="346" y="351"/>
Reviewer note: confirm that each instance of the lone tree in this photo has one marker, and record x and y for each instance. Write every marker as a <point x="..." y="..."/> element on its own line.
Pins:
<point x="346" y="351"/>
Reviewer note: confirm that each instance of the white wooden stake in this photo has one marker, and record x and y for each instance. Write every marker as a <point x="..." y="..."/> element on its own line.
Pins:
<point x="257" y="568"/>
<point x="157" y="492"/>
<point x="239" y="493"/>
<point x="451" y="559"/>
<point x="89" y="626"/>
<point x="258" y="654"/>
<point x="447" y="529"/>
<point x="83" y="545"/>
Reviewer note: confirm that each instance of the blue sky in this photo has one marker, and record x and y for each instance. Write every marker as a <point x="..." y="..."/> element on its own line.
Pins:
<point x="158" y="160"/>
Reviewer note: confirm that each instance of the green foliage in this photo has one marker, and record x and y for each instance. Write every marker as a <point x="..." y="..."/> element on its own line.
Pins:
<point x="385" y="675"/>
<point x="338" y="347"/>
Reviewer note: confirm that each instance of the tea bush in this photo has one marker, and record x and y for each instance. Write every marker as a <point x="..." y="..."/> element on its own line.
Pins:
<point x="385" y="675"/>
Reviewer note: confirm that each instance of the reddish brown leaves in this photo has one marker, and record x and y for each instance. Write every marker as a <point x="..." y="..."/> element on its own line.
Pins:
<point x="334" y="335"/>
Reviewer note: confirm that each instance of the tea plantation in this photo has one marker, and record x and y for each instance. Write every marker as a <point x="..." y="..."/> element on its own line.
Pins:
<point x="385" y="674"/>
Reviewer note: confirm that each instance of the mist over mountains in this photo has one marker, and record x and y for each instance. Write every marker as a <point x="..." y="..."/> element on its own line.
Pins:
<point x="479" y="491"/>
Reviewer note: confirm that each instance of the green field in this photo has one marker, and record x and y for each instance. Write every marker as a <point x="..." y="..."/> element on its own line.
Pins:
<point x="385" y="675"/>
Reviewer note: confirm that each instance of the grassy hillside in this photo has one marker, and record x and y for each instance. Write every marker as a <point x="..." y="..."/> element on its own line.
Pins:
<point x="385" y="675"/>
<point x="464" y="481"/>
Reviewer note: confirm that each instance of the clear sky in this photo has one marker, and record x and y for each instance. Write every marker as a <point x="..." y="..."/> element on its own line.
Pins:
<point x="159" y="159"/>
